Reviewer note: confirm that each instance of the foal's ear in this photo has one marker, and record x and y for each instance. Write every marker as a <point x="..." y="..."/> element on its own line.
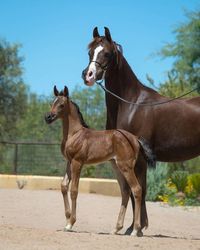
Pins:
<point x="95" y="33"/>
<point x="107" y="34"/>
<point x="55" y="91"/>
<point x="66" y="91"/>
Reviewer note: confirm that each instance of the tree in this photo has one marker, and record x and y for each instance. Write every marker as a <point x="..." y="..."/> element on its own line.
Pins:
<point x="185" y="73"/>
<point x="92" y="104"/>
<point x="33" y="126"/>
<point x="13" y="91"/>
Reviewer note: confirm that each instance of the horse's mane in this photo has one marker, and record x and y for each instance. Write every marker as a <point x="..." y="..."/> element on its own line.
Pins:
<point x="83" y="123"/>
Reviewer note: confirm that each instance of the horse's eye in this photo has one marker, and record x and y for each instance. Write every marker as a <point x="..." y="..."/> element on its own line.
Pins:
<point x="62" y="105"/>
<point x="107" y="55"/>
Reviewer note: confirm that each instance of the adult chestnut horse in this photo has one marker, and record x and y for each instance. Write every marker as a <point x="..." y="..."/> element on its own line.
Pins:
<point x="172" y="128"/>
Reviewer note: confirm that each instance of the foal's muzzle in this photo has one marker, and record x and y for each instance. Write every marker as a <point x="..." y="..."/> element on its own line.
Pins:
<point x="50" y="117"/>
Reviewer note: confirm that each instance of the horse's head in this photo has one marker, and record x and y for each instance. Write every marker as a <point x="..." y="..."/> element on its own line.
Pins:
<point x="58" y="106"/>
<point x="103" y="53"/>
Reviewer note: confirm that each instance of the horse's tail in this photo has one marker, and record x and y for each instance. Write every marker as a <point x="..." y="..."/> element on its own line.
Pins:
<point x="148" y="152"/>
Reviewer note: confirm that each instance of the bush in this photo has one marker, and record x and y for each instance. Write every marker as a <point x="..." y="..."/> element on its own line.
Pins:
<point x="156" y="182"/>
<point x="195" y="181"/>
<point x="180" y="180"/>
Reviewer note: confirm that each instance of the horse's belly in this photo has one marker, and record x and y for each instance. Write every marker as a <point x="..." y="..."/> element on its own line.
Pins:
<point x="175" y="154"/>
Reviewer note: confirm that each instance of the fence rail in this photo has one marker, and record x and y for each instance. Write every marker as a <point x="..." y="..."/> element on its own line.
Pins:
<point x="41" y="158"/>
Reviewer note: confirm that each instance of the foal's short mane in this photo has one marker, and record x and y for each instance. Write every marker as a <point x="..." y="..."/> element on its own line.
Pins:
<point x="83" y="123"/>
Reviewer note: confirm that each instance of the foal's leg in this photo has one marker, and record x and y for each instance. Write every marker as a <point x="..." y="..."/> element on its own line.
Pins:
<point x="140" y="170"/>
<point x="64" y="189"/>
<point x="125" y="193"/>
<point x="127" y="170"/>
<point x="75" y="170"/>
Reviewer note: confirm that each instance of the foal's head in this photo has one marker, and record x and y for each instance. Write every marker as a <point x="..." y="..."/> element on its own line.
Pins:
<point x="103" y="53"/>
<point x="59" y="106"/>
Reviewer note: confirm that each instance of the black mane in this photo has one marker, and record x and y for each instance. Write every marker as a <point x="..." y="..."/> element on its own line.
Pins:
<point x="83" y="123"/>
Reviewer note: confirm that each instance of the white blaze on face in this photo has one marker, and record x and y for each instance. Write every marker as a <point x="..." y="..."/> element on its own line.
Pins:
<point x="91" y="74"/>
<point x="54" y="101"/>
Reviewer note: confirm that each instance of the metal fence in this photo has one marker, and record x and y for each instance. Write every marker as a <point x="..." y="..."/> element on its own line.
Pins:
<point x="41" y="158"/>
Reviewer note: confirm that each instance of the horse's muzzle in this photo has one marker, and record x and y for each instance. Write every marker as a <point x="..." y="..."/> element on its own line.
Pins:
<point x="50" y="117"/>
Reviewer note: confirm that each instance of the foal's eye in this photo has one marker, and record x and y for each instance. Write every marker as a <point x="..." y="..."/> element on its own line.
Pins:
<point x="62" y="105"/>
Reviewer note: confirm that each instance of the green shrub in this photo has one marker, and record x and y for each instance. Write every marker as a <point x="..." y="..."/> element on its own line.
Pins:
<point x="195" y="180"/>
<point x="156" y="182"/>
<point x="180" y="180"/>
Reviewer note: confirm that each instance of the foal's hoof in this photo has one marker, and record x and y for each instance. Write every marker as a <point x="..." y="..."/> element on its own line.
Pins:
<point x="68" y="228"/>
<point x="136" y="233"/>
<point x="114" y="232"/>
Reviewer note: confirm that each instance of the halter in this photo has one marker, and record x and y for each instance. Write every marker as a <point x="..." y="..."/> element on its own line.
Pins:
<point x="143" y="104"/>
<point x="104" y="68"/>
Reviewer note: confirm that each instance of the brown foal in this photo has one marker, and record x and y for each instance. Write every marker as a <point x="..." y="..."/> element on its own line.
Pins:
<point x="81" y="145"/>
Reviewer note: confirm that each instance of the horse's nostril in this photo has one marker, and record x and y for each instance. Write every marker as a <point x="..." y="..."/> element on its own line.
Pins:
<point x="90" y="74"/>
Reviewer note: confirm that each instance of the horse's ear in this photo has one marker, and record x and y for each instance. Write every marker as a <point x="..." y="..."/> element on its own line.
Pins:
<point x="107" y="34"/>
<point x="66" y="91"/>
<point x="55" y="91"/>
<point x="95" y="33"/>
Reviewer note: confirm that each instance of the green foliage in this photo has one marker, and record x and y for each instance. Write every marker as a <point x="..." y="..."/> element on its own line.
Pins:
<point x="186" y="51"/>
<point x="33" y="126"/>
<point x="13" y="91"/>
<point x="156" y="181"/>
<point x="195" y="181"/>
<point x="180" y="179"/>
<point x="103" y="170"/>
<point x="92" y="105"/>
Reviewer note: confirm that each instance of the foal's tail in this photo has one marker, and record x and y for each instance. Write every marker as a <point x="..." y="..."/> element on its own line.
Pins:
<point x="148" y="152"/>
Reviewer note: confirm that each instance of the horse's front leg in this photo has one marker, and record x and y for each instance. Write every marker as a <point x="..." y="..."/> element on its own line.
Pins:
<point x="64" y="189"/>
<point x="125" y="193"/>
<point x="75" y="174"/>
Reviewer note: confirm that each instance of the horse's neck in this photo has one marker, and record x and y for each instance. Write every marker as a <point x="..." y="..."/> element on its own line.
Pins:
<point x="123" y="81"/>
<point x="71" y="123"/>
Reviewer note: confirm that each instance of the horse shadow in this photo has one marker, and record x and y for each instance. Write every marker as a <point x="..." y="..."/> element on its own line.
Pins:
<point x="126" y="235"/>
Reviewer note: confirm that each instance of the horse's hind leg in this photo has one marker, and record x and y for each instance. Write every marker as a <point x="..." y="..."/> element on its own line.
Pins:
<point x="125" y="193"/>
<point x="64" y="189"/>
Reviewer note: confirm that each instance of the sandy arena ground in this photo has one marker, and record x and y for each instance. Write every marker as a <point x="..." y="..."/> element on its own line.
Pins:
<point x="35" y="220"/>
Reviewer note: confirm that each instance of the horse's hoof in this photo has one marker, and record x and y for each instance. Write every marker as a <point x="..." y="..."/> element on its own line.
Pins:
<point x="129" y="231"/>
<point x="68" y="228"/>
<point x="136" y="233"/>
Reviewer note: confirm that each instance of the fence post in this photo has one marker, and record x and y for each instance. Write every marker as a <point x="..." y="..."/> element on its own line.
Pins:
<point x="15" y="159"/>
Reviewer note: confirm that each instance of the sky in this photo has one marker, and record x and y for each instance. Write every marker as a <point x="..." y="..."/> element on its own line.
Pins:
<point x="54" y="35"/>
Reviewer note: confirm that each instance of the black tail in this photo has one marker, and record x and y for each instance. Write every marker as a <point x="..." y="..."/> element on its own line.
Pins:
<point x="148" y="152"/>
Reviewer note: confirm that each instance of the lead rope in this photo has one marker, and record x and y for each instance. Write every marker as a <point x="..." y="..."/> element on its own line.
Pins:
<point x="143" y="104"/>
